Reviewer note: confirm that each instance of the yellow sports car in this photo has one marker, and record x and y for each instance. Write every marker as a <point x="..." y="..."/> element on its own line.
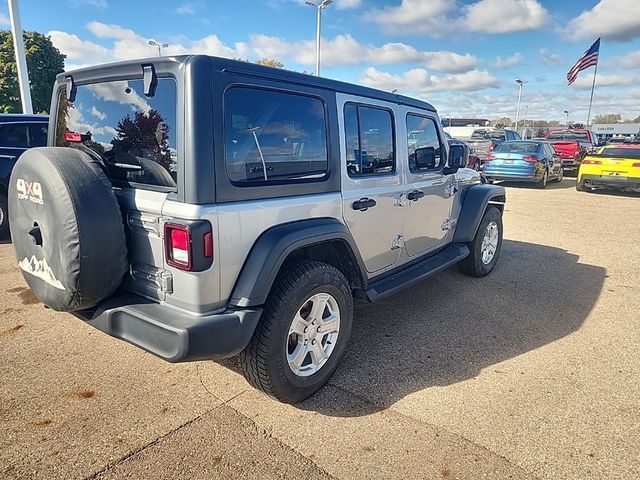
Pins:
<point x="613" y="166"/>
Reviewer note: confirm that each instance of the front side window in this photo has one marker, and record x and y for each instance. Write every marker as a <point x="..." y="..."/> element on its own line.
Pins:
<point x="274" y="137"/>
<point x="424" y="147"/>
<point x="134" y="135"/>
<point x="369" y="141"/>
<point x="14" y="135"/>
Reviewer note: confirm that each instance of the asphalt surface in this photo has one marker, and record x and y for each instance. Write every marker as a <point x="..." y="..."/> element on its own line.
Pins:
<point x="530" y="373"/>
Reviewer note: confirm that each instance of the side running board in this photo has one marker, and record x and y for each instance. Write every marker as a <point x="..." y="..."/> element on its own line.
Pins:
<point x="417" y="272"/>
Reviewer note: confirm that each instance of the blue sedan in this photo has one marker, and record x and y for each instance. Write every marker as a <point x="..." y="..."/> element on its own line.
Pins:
<point x="523" y="161"/>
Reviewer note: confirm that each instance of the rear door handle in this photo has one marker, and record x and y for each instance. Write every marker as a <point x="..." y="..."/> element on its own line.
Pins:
<point x="415" y="195"/>
<point x="364" y="204"/>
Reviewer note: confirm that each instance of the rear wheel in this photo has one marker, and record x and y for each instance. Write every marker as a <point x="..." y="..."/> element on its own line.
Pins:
<point x="302" y="334"/>
<point x="485" y="247"/>
<point x="4" y="217"/>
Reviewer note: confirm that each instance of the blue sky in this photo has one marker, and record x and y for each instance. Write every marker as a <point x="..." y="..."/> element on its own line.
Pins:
<point x="463" y="56"/>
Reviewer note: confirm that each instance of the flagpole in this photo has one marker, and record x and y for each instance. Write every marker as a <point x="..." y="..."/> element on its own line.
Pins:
<point x="593" y="86"/>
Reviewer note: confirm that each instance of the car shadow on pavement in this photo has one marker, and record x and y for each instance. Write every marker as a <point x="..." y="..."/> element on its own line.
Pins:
<point x="451" y="327"/>
<point x="551" y="185"/>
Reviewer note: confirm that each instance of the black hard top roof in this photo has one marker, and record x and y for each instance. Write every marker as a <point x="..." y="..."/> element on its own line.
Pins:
<point x="279" y="74"/>
<point x="19" y="117"/>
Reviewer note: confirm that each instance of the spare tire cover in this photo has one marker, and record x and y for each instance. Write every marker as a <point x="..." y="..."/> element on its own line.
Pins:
<point x="66" y="228"/>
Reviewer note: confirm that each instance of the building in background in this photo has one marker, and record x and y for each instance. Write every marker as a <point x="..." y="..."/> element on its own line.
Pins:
<point x="610" y="130"/>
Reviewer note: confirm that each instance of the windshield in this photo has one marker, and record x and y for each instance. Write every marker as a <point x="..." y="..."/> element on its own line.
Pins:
<point x="621" y="152"/>
<point x="570" y="136"/>
<point x="487" y="135"/>
<point x="133" y="135"/>
<point x="518" y="147"/>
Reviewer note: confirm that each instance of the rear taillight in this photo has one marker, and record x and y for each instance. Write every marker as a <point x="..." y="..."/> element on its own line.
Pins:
<point x="189" y="245"/>
<point x="587" y="161"/>
<point x="77" y="137"/>
<point x="178" y="245"/>
<point x="530" y="158"/>
<point x="489" y="157"/>
<point x="636" y="165"/>
<point x="491" y="146"/>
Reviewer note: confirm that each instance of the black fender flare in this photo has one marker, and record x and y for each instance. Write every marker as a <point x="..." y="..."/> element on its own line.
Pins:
<point x="474" y="204"/>
<point x="273" y="247"/>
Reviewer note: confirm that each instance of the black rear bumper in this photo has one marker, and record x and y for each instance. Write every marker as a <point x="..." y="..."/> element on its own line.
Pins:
<point x="610" y="181"/>
<point x="174" y="335"/>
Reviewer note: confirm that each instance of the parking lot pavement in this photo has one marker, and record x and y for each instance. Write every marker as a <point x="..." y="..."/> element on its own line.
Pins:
<point x="528" y="373"/>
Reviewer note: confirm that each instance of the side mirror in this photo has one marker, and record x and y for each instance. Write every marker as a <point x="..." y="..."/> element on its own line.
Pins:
<point x="458" y="158"/>
<point x="425" y="158"/>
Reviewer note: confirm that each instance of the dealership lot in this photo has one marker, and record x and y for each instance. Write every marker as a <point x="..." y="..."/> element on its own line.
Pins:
<point x="528" y="373"/>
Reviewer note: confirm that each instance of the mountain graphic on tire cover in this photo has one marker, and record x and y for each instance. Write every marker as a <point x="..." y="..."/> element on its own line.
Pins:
<point x="40" y="269"/>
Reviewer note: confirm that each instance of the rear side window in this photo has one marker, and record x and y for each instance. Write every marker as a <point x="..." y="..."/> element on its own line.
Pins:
<point x="135" y="135"/>
<point x="37" y="134"/>
<point x="14" y="135"/>
<point x="425" y="149"/>
<point x="369" y="141"/>
<point x="274" y="137"/>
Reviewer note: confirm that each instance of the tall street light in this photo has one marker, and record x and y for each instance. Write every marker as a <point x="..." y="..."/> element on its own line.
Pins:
<point x="319" y="7"/>
<point x="520" y="84"/>
<point x="566" y="122"/>
<point x="21" y="59"/>
<point x="160" y="46"/>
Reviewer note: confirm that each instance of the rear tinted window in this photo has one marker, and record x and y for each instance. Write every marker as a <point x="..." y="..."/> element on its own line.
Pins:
<point x="135" y="135"/>
<point x="621" y="152"/>
<point x="274" y="137"/>
<point x="487" y="135"/>
<point x="568" y="136"/>
<point x="369" y="140"/>
<point x="518" y="147"/>
<point x="37" y="134"/>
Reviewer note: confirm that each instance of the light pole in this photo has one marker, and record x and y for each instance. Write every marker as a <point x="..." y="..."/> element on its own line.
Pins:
<point x="21" y="59"/>
<point x="520" y="84"/>
<point x="319" y="7"/>
<point x="566" y="122"/>
<point x="160" y="46"/>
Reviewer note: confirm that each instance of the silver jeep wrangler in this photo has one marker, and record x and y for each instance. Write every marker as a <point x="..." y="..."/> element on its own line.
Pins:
<point x="203" y="208"/>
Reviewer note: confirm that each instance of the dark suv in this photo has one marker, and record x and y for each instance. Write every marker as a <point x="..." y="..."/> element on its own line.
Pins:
<point x="17" y="134"/>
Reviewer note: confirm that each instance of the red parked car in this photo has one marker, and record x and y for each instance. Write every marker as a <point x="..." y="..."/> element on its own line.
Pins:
<point x="572" y="145"/>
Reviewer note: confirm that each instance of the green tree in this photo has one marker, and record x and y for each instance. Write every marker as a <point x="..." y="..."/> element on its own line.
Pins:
<point x="501" y="122"/>
<point x="44" y="62"/>
<point x="146" y="135"/>
<point x="609" y="118"/>
<point x="270" y="62"/>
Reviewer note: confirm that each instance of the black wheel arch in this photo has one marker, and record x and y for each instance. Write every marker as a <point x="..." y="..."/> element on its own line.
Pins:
<point x="475" y="202"/>
<point x="323" y="239"/>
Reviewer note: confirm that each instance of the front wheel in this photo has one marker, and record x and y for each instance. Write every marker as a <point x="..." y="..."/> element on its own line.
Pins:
<point x="543" y="181"/>
<point x="560" y="175"/>
<point x="302" y="334"/>
<point x="485" y="247"/>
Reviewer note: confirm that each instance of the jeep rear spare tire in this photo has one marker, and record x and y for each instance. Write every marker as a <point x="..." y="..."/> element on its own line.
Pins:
<point x="66" y="227"/>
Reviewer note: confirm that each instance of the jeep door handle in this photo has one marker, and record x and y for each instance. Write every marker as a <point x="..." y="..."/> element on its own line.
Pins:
<point x="415" y="195"/>
<point x="364" y="204"/>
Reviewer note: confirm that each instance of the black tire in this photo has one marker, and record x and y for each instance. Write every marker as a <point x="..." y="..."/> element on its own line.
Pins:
<point x="560" y="175"/>
<point x="473" y="264"/>
<point x="543" y="182"/>
<point x="66" y="228"/>
<point x="4" y="217"/>
<point x="264" y="361"/>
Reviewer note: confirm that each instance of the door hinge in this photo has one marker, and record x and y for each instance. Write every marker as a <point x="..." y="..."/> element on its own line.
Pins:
<point x="400" y="200"/>
<point x="449" y="224"/>
<point x="397" y="242"/>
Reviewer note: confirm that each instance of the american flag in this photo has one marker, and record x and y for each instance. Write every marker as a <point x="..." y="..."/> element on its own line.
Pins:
<point x="588" y="59"/>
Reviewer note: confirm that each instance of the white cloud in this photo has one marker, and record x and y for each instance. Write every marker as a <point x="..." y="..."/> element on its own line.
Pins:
<point x="418" y="81"/>
<point x="415" y="16"/>
<point x="77" y="49"/>
<point x="97" y="113"/>
<point x="510" y="61"/>
<point x="119" y="92"/>
<point x="630" y="60"/>
<point x="346" y="4"/>
<point x="615" y="20"/>
<point x="505" y="16"/>
<point x="188" y="8"/>
<point x="4" y="20"/>
<point x="436" y="18"/>
<point x="549" y="57"/>
<point x="585" y="80"/>
<point x="450" y="61"/>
